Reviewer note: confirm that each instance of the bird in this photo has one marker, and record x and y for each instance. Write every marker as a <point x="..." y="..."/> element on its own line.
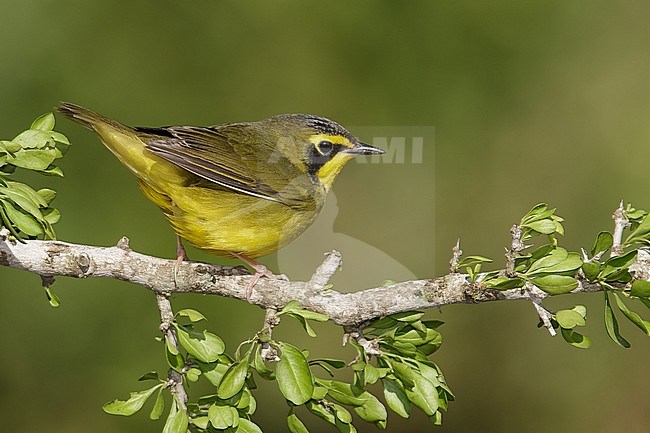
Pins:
<point x="241" y="190"/>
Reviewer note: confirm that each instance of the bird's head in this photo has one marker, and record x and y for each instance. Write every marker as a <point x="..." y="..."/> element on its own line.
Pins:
<point x="318" y="145"/>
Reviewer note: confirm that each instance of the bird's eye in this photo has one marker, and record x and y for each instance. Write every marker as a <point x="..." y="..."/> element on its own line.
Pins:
<point x="325" y="147"/>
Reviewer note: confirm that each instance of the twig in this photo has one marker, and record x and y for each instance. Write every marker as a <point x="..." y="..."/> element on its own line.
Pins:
<point x="620" y="223"/>
<point x="516" y="247"/>
<point x="456" y="253"/>
<point x="326" y="270"/>
<point x="371" y="347"/>
<point x="268" y="352"/>
<point x="536" y="295"/>
<point x="174" y="378"/>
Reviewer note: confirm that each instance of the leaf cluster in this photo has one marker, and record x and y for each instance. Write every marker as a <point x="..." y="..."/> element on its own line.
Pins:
<point x="402" y="368"/>
<point x="555" y="270"/>
<point x="549" y="267"/>
<point x="25" y="212"/>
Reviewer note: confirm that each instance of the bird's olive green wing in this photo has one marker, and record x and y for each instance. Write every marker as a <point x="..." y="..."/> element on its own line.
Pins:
<point x="233" y="156"/>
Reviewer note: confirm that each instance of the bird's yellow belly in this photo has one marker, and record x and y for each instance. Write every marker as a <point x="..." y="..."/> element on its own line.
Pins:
<point x="221" y="221"/>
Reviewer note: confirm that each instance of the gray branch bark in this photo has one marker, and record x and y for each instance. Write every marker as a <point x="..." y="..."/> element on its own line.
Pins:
<point x="54" y="258"/>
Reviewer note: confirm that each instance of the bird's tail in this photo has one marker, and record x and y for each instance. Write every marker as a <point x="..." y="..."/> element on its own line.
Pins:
<point x="85" y="117"/>
<point x="120" y="139"/>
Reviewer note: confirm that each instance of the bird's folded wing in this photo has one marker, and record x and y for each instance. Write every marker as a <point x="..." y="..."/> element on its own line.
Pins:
<point x="232" y="160"/>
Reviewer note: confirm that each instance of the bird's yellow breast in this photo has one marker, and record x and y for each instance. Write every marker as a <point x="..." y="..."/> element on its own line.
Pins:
<point x="221" y="221"/>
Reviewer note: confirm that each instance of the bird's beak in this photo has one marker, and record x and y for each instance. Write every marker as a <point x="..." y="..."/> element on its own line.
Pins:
<point x="364" y="149"/>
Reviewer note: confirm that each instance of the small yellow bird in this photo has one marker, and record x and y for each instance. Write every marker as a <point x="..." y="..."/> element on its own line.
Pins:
<point x="238" y="189"/>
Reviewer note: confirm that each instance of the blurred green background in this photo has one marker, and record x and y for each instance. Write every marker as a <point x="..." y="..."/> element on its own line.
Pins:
<point x="530" y="101"/>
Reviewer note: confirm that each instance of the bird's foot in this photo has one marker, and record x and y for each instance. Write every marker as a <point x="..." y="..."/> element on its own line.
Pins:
<point x="260" y="271"/>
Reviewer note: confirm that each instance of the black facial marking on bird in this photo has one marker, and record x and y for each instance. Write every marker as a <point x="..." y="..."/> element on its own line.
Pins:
<point x="319" y="154"/>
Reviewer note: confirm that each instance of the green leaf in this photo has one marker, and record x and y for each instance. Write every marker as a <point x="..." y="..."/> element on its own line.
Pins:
<point x="384" y="323"/>
<point x="642" y="231"/>
<point x="430" y="373"/>
<point x="545" y="226"/>
<point x="177" y="421"/>
<point x="556" y="284"/>
<point x="158" y="406"/>
<point x="591" y="270"/>
<point x="132" y="405"/>
<point x="234" y="379"/>
<point x="640" y="289"/>
<point x="247" y="426"/>
<point x="33" y="138"/>
<point x="342" y="413"/>
<point x="403" y="372"/>
<point x="396" y="397"/>
<point x="244" y="399"/>
<point x="52" y="170"/>
<point x="252" y="403"/>
<point x="193" y="374"/>
<point x="23" y="221"/>
<point x="611" y="324"/>
<point x="617" y="264"/>
<point x="214" y="372"/>
<point x="192" y="315"/>
<point x="569" y="319"/>
<point x="413" y="337"/>
<point x="319" y="409"/>
<point x="306" y="326"/>
<point x="575" y="338"/>
<point x="582" y="310"/>
<point x="345" y="393"/>
<point x="554" y="257"/>
<point x="295" y="308"/>
<point x="60" y="138"/>
<point x="293" y="375"/>
<point x="33" y="159"/>
<point x="372" y="410"/>
<point x="222" y="417"/>
<point x="201" y="422"/>
<point x="539" y="211"/>
<point x="504" y="283"/>
<point x="23" y="200"/>
<point x="320" y="392"/>
<point x="52" y="298"/>
<point x="406" y="349"/>
<point x="52" y="216"/>
<point x="173" y="356"/>
<point x="372" y="373"/>
<point x="603" y="242"/>
<point x="44" y="122"/>
<point x="150" y="375"/>
<point x="171" y="347"/>
<point x="9" y="146"/>
<point x="260" y="366"/>
<point x="408" y="316"/>
<point x="632" y="316"/>
<point x="424" y="394"/>
<point x="557" y="261"/>
<point x="204" y="345"/>
<point x="472" y="260"/>
<point x="35" y="196"/>
<point x="295" y="425"/>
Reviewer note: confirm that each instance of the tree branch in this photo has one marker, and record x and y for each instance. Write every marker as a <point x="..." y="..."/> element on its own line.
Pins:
<point x="174" y="378"/>
<point x="55" y="258"/>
